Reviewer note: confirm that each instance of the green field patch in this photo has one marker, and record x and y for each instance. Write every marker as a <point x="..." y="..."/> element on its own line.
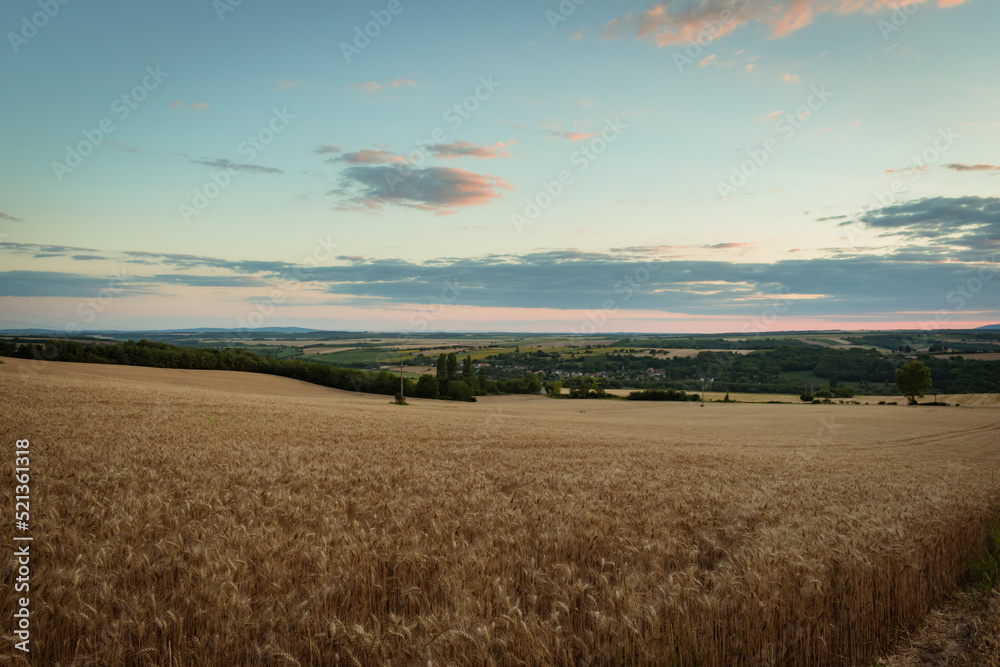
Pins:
<point x="372" y="356"/>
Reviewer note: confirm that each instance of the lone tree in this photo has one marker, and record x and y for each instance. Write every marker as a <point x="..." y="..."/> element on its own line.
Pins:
<point x="913" y="380"/>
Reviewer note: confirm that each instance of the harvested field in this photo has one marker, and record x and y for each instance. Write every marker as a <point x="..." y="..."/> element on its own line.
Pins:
<point x="412" y="370"/>
<point x="326" y="350"/>
<point x="982" y="356"/>
<point x="231" y="523"/>
<point x="968" y="400"/>
<point x="683" y="353"/>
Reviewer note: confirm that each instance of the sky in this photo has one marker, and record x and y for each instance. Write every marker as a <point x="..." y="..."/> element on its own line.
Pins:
<point x="575" y="166"/>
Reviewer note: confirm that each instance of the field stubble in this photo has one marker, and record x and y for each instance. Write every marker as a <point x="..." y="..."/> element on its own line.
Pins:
<point x="182" y="525"/>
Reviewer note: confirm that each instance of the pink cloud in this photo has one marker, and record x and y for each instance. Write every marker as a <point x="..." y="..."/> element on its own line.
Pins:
<point x="770" y="116"/>
<point x="906" y="170"/>
<point x="400" y="82"/>
<point x="577" y="136"/>
<point x="709" y="20"/>
<point x="438" y="189"/>
<point x="798" y="15"/>
<point x="791" y="78"/>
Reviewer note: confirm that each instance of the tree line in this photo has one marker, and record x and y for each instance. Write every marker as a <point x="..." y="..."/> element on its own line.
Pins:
<point x="448" y="384"/>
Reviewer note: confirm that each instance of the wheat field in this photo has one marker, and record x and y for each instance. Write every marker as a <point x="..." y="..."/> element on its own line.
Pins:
<point x="254" y="520"/>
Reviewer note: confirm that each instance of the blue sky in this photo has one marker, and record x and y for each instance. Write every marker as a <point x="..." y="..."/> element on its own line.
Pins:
<point x="714" y="165"/>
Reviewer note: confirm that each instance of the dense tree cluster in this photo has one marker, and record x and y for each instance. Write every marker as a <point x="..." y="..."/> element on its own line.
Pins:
<point x="664" y="395"/>
<point x="466" y="384"/>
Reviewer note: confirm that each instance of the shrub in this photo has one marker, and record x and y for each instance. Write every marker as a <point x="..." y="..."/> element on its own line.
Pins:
<point x="659" y="395"/>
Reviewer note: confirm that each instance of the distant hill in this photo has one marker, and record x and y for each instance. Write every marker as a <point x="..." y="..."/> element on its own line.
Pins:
<point x="989" y="326"/>
<point x="223" y="330"/>
<point x="53" y="332"/>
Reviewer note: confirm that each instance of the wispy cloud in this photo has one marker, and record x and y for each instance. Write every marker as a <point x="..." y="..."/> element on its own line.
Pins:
<point x="59" y="284"/>
<point x="905" y="170"/>
<point x="197" y="106"/>
<point x="457" y="149"/>
<point x="731" y="246"/>
<point x="120" y="146"/>
<point x="369" y="156"/>
<point x="229" y="164"/>
<point x="973" y="167"/>
<point x="327" y="149"/>
<point x="4" y="216"/>
<point x="375" y="86"/>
